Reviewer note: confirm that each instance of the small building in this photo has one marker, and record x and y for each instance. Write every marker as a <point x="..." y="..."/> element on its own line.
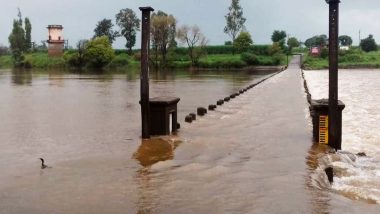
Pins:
<point x="55" y="41"/>
<point x="315" y="51"/>
<point x="344" y="48"/>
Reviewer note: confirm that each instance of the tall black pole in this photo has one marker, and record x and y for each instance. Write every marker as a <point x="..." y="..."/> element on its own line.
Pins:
<point x="333" y="123"/>
<point x="144" y="76"/>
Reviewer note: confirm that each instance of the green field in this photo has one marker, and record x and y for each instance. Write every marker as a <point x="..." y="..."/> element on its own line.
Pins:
<point x="354" y="58"/>
<point x="215" y="57"/>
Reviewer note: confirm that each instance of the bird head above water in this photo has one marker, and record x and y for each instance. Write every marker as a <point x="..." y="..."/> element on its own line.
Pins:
<point x="43" y="166"/>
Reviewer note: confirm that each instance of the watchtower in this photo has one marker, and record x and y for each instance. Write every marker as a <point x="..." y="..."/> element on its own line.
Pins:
<point x="55" y="41"/>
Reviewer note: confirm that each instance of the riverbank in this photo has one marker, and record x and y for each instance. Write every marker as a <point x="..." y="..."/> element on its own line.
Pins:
<point x="214" y="57"/>
<point x="351" y="59"/>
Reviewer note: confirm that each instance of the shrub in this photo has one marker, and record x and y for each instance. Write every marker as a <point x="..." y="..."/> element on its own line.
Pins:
<point x="74" y="59"/>
<point x="274" y="49"/>
<point x="98" y="52"/>
<point x="368" y="44"/>
<point x="120" y="60"/>
<point x="277" y="58"/>
<point x="265" y="61"/>
<point x="137" y="56"/>
<point x="324" y="53"/>
<point x="243" y="42"/>
<point x="249" y="58"/>
<point x="351" y="58"/>
<point x="221" y="63"/>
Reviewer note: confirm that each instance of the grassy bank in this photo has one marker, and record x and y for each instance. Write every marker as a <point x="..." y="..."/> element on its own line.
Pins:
<point x="6" y="61"/>
<point x="215" y="57"/>
<point x="354" y="58"/>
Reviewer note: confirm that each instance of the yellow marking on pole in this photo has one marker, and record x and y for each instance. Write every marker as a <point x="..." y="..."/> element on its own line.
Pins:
<point x="324" y="129"/>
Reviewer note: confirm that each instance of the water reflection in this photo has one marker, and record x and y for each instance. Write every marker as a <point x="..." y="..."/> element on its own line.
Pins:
<point x="151" y="151"/>
<point x="154" y="150"/>
<point x="22" y="77"/>
<point x="56" y="79"/>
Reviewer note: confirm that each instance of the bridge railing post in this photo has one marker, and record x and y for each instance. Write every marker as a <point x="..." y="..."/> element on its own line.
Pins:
<point x="144" y="76"/>
<point x="333" y="120"/>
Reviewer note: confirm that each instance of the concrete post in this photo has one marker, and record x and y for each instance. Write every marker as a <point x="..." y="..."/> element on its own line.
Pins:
<point x="144" y="76"/>
<point x="333" y="122"/>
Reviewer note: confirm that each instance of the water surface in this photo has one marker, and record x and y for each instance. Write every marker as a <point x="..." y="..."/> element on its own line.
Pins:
<point x="360" y="91"/>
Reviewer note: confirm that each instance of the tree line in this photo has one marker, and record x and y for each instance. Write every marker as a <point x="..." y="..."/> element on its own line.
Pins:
<point x="164" y="36"/>
<point x="367" y="44"/>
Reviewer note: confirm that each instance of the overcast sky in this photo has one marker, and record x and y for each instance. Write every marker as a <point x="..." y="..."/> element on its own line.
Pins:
<point x="300" y="18"/>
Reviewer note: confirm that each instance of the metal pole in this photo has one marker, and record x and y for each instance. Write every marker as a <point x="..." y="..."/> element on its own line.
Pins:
<point x="333" y="122"/>
<point x="144" y="76"/>
<point x="287" y="60"/>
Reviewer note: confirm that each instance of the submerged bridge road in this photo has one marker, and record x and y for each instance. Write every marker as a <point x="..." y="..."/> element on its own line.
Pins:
<point x="252" y="152"/>
<point x="255" y="154"/>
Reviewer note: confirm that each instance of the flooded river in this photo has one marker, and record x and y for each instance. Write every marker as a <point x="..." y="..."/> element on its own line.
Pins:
<point x="360" y="91"/>
<point x="252" y="155"/>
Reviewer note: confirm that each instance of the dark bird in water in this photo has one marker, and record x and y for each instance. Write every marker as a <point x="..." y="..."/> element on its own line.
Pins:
<point x="43" y="165"/>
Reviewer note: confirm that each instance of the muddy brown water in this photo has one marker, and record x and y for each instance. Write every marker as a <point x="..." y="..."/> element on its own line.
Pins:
<point x="252" y="155"/>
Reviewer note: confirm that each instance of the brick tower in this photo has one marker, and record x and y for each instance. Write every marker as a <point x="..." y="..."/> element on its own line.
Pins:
<point x="55" y="41"/>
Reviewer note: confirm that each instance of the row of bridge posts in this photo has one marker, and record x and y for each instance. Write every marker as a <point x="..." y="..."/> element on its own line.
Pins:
<point x="334" y="110"/>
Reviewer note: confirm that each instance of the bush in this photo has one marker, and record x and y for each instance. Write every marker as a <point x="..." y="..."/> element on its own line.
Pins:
<point x="266" y="61"/>
<point x="98" y="52"/>
<point x="351" y="58"/>
<point x="120" y="61"/>
<point x="74" y="59"/>
<point x="243" y="42"/>
<point x="274" y="49"/>
<point x="277" y="58"/>
<point x="27" y="62"/>
<point x="137" y="56"/>
<point x="6" y="61"/>
<point x="249" y="58"/>
<point x="179" y="64"/>
<point x="368" y="44"/>
<point x="324" y="53"/>
<point x="221" y="63"/>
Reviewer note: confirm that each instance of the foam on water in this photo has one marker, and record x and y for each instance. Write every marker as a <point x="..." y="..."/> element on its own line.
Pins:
<point x="359" y="89"/>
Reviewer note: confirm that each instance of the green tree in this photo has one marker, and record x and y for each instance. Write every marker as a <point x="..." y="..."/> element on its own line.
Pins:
<point x="345" y="40"/>
<point x="274" y="49"/>
<point x="195" y="40"/>
<point x="98" y="52"/>
<point x="163" y="32"/>
<point x="235" y="20"/>
<point x="279" y="36"/>
<point x="17" y="41"/>
<point x="28" y="34"/>
<point x="368" y="44"/>
<point x="243" y="42"/>
<point x="129" y="24"/>
<point x="292" y="43"/>
<point x="76" y="58"/>
<point x="320" y="41"/>
<point x="104" y="28"/>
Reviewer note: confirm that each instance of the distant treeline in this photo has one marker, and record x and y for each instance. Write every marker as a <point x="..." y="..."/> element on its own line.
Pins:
<point x="213" y="49"/>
